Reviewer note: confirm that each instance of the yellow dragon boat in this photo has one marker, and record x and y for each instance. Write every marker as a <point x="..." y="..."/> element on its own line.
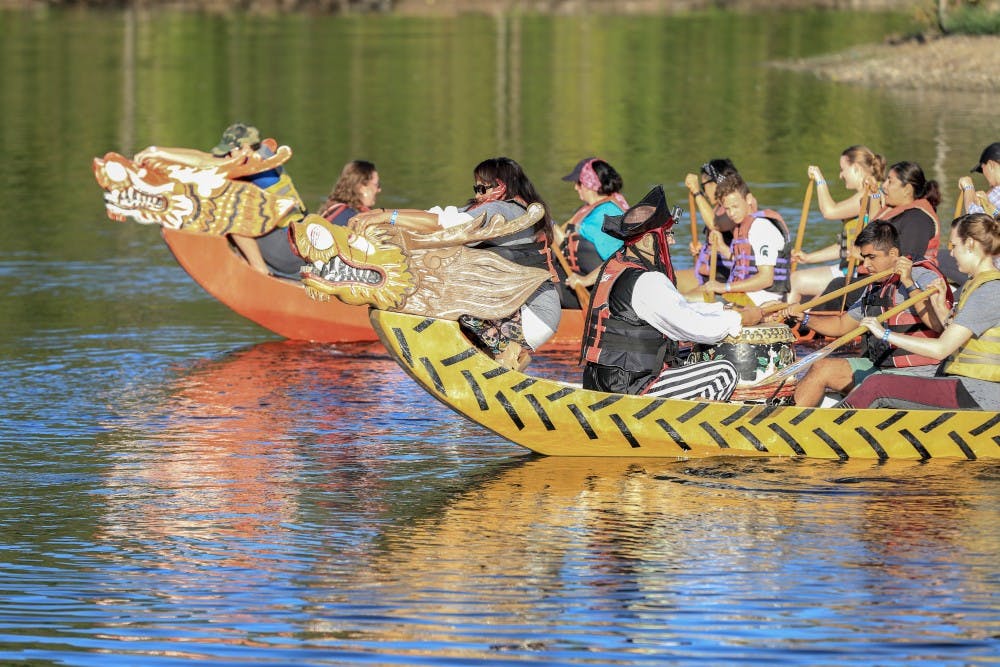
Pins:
<point x="560" y="419"/>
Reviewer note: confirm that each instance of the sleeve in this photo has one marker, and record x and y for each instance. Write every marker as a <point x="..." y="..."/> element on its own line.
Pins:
<point x="767" y="242"/>
<point x="981" y="310"/>
<point x="657" y="301"/>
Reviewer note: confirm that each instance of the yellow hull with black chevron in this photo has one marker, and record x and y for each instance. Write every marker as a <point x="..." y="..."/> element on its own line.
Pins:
<point x="559" y="419"/>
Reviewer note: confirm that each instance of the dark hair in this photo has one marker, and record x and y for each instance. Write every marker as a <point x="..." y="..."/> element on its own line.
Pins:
<point x="910" y="172"/>
<point x="730" y="184"/>
<point x="882" y="235"/>
<point x="510" y="173"/>
<point x="980" y="227"/>
<point x="345" y="191"/>
<point x="611" y="180"/>
<point x="718" y="169"/>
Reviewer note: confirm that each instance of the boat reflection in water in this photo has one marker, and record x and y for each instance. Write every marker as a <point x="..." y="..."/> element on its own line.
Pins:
<point x="306" y="504"/>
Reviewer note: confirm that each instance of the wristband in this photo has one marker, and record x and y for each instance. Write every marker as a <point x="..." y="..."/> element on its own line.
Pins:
<point x="820" y="182"/>
<point x="968" y="187"/>
<point x="728" y="287"/>
<point x="805" y="320"/>
<point x="392" y="218"/>
<point x="885" y="335"/>
<point x="916" y="286"/>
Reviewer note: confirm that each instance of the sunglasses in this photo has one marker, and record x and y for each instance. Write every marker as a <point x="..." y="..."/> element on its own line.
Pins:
<point x="481" y="189"/>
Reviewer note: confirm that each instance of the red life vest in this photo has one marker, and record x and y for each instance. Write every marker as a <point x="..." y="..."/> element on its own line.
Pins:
<point x="877" y="300"/>
<point x="571" y="245"/>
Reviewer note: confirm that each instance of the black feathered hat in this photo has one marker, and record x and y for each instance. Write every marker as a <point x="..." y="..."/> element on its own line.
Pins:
<point x="649" y="214"/>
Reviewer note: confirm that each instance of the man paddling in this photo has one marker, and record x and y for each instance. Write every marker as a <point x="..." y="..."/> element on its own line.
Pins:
<point x="637" y="315"/>
<point x="878" y="244"/>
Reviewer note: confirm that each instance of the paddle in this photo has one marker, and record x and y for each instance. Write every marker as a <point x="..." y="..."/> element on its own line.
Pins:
<point x="852" y="262"/>
<point x="581" y="292"/>
<point x="823" y="298"/>
<point x="801" y="233"/>
<point x="960" y="204"/>
<point x="694" y="217"/>
<point x="792" y="369"/>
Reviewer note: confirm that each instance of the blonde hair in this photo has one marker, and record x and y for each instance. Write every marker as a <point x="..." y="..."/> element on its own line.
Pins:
<point x="868" y="159"/>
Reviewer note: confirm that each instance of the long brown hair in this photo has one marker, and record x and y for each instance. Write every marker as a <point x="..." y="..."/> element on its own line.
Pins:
<point x="346" y="190"/>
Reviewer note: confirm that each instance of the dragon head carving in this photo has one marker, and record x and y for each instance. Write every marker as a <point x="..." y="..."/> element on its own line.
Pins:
<point x="178" y="189"/>
<point x="434" y="273"/>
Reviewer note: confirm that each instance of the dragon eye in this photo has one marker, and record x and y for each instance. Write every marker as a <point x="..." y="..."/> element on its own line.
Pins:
<point x="319" y="237"/>
<point x="115" y="171"/>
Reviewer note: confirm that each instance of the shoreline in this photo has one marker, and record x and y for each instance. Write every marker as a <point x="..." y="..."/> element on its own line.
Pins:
<point x="951" y="63"/>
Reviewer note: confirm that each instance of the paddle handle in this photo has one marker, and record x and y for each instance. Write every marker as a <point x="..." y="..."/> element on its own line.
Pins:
<point x="959" y="204"/>
<point x="694" y="216"/>
<point x="801" y="233"/>
<point x="792" y="369"/>
<point x="823" y="298"/>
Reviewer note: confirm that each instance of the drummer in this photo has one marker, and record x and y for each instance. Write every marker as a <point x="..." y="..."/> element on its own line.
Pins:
<point x="637" y="315"/>
<point x="878" y="244"/>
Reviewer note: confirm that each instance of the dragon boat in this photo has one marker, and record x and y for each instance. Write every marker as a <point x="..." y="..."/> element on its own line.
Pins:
<point x="561" y="419"/>
<point x="282" y="306"/>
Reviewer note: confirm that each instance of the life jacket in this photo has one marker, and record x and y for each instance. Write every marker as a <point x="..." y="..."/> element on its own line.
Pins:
<point x="888" y="214"/>
<point x="339" y="213"/>
<point x="276" y="181"/>
<point x="744" y="262"/>
<point x="535" y="253"/>
<point x="614" y="335"/>
<point x="879" y="298"/>
<point x="703" y="262"/>
<point x="575" y="247"/>
<point x="980" y="356"/>
<point x="845" y="239"/>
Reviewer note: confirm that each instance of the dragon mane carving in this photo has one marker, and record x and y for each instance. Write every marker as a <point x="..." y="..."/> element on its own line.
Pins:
<point x="185" y="189"/>
<point x="435" y="273"/>
<point x="389" y="267"/>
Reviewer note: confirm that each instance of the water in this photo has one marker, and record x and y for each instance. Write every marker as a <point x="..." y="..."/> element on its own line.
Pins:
<point x="182" y="488"/>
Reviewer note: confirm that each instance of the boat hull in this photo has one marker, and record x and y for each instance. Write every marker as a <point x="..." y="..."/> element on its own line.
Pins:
<point x="282" y="306"/>
<point x="559" y="419"/>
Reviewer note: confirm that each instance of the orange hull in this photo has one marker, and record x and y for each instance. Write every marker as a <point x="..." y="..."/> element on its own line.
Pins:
<point x="282" y="306"/>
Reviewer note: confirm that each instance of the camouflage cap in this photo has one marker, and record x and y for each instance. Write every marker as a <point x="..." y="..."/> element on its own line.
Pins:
<point x="235" y="136"/>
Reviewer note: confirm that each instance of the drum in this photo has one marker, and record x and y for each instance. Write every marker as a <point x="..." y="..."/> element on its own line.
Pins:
<point x="757" y="352"/>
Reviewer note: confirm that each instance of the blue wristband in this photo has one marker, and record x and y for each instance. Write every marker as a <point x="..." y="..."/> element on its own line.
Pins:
<point x="805" y="320"/>
<point x="885" y="335"/>
<point x="392" y="218"/>
<point x="820" y="182"/>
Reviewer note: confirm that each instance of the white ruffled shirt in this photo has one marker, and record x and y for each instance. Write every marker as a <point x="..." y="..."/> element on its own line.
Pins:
<point x="657" y="301"/>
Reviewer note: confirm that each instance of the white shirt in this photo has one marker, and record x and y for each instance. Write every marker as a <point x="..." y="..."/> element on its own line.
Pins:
<point x="766" y="241"/>
<point x="657" y="301"/>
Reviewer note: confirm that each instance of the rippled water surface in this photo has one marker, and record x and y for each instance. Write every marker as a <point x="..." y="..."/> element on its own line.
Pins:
<point x="179" y="487"/>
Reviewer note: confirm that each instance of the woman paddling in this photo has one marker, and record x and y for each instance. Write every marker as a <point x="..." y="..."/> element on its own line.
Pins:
<point x="861" y="170"/>
<point x="969" y="377"/>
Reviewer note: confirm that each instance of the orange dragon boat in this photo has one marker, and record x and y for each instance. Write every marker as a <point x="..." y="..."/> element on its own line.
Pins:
<point x="282" y="306"/>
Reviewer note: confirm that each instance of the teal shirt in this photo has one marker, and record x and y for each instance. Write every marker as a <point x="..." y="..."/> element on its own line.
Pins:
<point x="590" y="229"/>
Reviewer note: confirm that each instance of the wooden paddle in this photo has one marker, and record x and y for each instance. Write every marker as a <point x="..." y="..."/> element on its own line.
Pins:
<point x="694" y="217"/>
<point x="823" y="298"/>
<point x="801" y="233"/>
<point x="960" y="204"/>
<point x="581" y="292"/>
<point x="792" y="369"/>
<point x="852" y="262"/>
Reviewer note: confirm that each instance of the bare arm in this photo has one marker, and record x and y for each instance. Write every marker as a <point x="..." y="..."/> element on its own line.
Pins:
<point x="251" y="252"/>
